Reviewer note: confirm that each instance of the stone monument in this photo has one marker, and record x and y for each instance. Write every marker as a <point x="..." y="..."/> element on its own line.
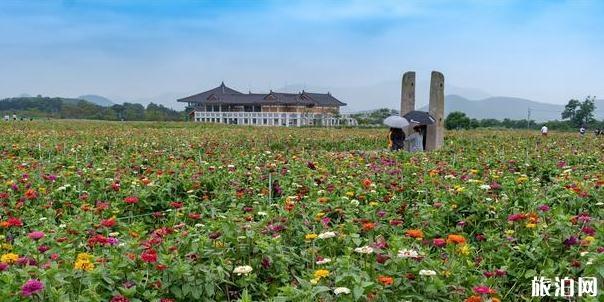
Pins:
<point x="408" y="93"/>
<point x="435" y="132"/>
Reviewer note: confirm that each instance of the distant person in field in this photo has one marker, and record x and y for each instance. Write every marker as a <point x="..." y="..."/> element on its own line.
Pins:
<point x="582" y="131"/>
<point x="544" y="130"/>
<point x="396" y="139"/>
<point x="416" y="140"/>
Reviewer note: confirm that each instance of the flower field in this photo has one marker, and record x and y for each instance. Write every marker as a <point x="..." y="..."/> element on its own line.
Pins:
<point x="102" y="211"/>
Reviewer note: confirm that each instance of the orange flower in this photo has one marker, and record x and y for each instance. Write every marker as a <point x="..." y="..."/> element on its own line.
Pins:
<point x="367" y="183"/>
<point x="368" y="226"/>
<point x="415" y="233"/>
<point x="385" y="280"/>
<point x="456" y="239"/>
<point x="474" y="299"/>
<point x="289" y="206"/>
<point x="31" y="194"/>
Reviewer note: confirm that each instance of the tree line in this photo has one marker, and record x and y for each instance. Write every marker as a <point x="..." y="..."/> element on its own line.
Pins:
<point x="66" y="108"/>
<point x="576" y="114"/>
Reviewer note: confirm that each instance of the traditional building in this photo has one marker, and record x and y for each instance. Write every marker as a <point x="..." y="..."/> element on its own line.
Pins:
<point x="228" y="106"/>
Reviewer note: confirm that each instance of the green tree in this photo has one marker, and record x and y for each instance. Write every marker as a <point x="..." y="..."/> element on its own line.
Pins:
<point x="579" y="113"/>
<point x="457" y="120"/>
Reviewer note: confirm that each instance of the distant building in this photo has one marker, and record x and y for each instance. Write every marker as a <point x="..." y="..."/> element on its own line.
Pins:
<point x="228" y="106"/>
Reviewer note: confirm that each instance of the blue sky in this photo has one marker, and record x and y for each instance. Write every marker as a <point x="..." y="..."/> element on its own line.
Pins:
<point x="547" y="51"/>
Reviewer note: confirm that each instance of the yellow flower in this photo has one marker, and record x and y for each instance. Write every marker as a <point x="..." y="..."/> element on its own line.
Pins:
<point x="84" y="265"/>
<point x="464" y="249"/>
<point x="521" y="179"/>
<point x="446" y="273"/>
<point x="9" y="258"/>
<point x="319" y="215"/>
<point x="349" y="194"/>
<point x="84" y="257"/>
<point x="373" y="204"/>
<point x="6" y="246"/>
<point x="509" y="232"/>
<point x="218" y="244"/>
<point x="310" y="236"/>
<point x="589" y="239"/>
<point x="314" y="281"/>
<point x="531" y="225"/>
<point x="321" y="273"/>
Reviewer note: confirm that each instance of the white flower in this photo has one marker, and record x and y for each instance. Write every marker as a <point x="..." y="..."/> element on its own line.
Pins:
<point x="113" y="234"/>
<point x="262" y="213"/>
<point x="341" y="290"/>
<point x="485" y="187"/>
<point x="242" y="270"/>
<point x="364" y="250"/>
<point x="427" y="272"/>
<point x="323" y="261"/>
<point x="231" y="166"/>
<point x="198" y="225"/>
<point x="327" y="235"/>
<point x="405" y="253"/>
<point x="355" y="202"/>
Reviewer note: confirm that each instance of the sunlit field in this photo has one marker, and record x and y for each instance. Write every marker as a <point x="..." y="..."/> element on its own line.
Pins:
<point x="109" y="211"/>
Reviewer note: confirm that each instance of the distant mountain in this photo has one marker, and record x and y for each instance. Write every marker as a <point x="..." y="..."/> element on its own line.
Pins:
<point x="509" y="107"/>
<point x="97" y="99"/>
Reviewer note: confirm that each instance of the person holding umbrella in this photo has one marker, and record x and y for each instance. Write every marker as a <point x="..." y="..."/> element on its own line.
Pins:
<point x="416" y="140"/>
<point x="396" y="136"/>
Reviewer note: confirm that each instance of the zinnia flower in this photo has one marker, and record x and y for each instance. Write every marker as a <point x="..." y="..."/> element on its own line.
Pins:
<point x="327" y="235"/>
<point x="35" y="235"/>
<point x="242" y="270"/>
<point x="149" y="256"/>
<point x="456" y="239"/>
<point x="405" y="253"/>
<point x="364" y="250"/>
<point x="426" y="272"/>
<point x="386" y="280"/>
<point x="321" y="273"/>
<point x="418" y="234"/>
<point x="341" y="290"/>
<point x="131" y="199"/>
<point x="483" y="290"/>
<point x="32" y="286"/>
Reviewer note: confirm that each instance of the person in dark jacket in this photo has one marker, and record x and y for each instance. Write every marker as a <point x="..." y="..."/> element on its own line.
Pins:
<point x="396" y="139"/>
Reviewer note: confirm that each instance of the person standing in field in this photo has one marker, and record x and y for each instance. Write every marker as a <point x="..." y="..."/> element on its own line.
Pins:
<point x="544" y="130"/>
<point x="416" y="140"/>
<point x="396" y="139"/>
<point x="582" y="130"/>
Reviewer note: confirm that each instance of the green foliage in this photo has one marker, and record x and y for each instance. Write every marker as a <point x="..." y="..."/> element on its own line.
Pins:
<point x="375" y="117"/>
<point x="457" y="120"/>
<point x="64" y="108"/>
<point x="580" y="113"/>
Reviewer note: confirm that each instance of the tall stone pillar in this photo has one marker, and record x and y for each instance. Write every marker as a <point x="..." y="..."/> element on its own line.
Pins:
<point x="408" y="92"/>
<point x="436" y="132"/>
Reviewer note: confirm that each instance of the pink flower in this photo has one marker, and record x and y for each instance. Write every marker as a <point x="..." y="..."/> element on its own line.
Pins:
<point x="36" y="235"/>
<point x="439" y="242"/>
<point x="516" y="217"/>
<point x="483" y="290"/>
<point x="32" y="286"/>
<point x="131" y="199"/>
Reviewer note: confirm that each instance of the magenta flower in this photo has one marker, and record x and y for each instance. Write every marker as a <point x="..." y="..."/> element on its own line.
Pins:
<point x="439" y="242"/>
<point x="543" y="208"/>
<point x="32" y="286"/>
<point x="36" y="235"/>
<point x="483" y="290"/>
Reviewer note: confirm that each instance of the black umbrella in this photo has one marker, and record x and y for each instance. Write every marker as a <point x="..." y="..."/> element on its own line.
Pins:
<point x="419" y="118"/>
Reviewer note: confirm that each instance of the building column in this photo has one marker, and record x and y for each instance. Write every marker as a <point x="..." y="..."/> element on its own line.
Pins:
<point x="408" y="93"/>
<point x="435" y="132"/>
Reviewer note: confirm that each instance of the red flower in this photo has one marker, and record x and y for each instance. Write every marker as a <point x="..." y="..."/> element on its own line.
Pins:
<point x="108" y="223"/>
<point x="385" y="280"/>
<point x="176" y="205"/>
<point x="367" y="183"/>
<point x="14" y="222"/>
<point x="131" y="199"/>
<point x="119" y="298"/>
<point x="149" y="256"/>
<point x="194" y="216"/>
